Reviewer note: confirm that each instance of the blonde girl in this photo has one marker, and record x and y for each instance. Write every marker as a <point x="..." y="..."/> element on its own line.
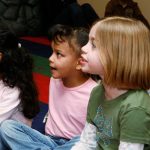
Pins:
<point x="118" y="115"/>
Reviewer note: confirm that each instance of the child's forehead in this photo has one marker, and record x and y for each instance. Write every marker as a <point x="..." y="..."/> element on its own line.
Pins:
<point x="60" y="43"/>
<point x="93" y="31"/>
<point x="65" y="47"/>
<point x="62" y="46"/>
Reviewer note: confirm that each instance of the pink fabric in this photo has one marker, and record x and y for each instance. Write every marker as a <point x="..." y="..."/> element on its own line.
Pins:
<point x="67" y="108"/>
<point x="10" y="104"/>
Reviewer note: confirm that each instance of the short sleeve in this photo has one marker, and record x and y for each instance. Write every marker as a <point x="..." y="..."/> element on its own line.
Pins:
<point x="135" y="126"/>
<point x="9" y="101"/>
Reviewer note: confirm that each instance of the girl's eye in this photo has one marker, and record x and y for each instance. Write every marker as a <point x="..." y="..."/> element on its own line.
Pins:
<point x="93" y="45"/>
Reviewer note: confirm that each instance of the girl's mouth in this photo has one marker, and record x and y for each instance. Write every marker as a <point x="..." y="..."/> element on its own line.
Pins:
<point x="82" y="60"/>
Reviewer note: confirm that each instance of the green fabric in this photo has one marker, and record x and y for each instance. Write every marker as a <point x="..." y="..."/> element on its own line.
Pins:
<point x="125" y="118"/>
<point x="41" y="65"/>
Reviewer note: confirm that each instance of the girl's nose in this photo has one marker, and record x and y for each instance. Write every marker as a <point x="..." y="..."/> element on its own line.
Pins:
<point x="83" y="49"/>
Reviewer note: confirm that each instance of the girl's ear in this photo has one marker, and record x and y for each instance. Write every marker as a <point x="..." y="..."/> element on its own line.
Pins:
<point x="78" y="66"/>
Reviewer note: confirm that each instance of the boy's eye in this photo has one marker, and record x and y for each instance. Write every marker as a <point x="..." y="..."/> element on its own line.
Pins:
<point x="58" y="54"/>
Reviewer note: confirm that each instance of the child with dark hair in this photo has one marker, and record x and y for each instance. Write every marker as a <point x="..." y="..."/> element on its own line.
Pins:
<point x="125" y="8"/>
<point x="18" y="93"/>
<point x="69" y="92"/>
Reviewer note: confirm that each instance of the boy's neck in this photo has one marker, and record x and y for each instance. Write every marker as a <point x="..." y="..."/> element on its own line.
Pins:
<point x="75" y="81"/>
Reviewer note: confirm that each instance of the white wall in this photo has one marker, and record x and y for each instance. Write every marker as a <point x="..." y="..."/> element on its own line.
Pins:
<point x="99" y="6"/>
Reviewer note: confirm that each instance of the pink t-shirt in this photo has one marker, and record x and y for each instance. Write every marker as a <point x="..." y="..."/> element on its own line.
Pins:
<point x="10" y="104"/>
<point x="67" y="108"/>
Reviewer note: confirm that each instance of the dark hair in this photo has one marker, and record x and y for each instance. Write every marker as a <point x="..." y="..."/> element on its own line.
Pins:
<point x="58" y="33"/>
<point x="16" y="67"/>
<point x="76" y="37"/>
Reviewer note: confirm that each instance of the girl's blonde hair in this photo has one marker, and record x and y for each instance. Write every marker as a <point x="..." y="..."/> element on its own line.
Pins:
<point x="124" y="46"/>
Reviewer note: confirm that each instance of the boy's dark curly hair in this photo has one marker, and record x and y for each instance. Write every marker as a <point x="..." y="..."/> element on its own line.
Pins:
<point x="16" y="67"/>
<point x="76" y="36"/>
<point x="58" y="33"/>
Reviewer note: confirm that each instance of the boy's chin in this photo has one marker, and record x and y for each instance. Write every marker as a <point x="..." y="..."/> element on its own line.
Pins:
<point x="86" y="70"/>
<point x="56" y="77"/>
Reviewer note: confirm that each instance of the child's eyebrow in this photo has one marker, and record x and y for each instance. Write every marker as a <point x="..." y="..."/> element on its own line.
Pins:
<point x="92" y="38"/>
<point x="57" y="50"/>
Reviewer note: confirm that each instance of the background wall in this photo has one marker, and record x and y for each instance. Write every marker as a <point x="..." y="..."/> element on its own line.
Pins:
<point x="99" y="6"/>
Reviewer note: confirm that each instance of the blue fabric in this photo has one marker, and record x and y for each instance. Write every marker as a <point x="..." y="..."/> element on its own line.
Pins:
<point x="37" y="49"/>
<point x="38" y="123"/>
<point x="20" y="136"/>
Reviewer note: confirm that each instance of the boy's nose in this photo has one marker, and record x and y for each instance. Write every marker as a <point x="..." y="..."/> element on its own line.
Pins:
<point x="50" y="58"/>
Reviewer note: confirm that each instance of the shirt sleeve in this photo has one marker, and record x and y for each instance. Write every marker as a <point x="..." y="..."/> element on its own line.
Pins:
<point x="130" y="146"/>
<point x="135" y="126"/>
<point x="87" y="139"/>
<point x="9" y="101"/>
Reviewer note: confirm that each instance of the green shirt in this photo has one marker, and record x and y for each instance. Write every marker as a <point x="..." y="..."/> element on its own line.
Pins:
<point x="125" y="118"/>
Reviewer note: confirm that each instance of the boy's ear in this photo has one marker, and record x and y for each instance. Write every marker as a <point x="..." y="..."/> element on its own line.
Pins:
<point x="78" y="66"/>
<point x="0" y="56"/>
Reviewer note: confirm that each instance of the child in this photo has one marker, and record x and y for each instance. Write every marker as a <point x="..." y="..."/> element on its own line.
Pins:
<point x="118" y="115"/>
<point x="18" y="94"/>
<point x="125" y="8"/>
<point x="68" y="97"/>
